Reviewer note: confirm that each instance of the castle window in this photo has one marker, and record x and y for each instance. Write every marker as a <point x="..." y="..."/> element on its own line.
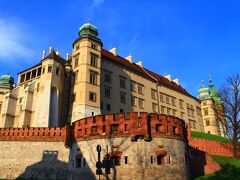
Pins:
<point x="209" y="132"/>
<point x="93" y="77"/>
<point x="104" y="129"/>
<point x="151" y="159"/>
<point x="43" y="70"/>
<point x="207" y="122"/>
<point x="163" y="109"/>
<point x="153" y="94"/>
<point x="160" y="160"/>
<point x="0" y="108"/>
<point x="122" y="98"/>
<point x="154" y="107"/>
<point x="116" y="160"/>
<point x="133" y="86"/>
<point x="181" y="103"/>
<point x="93" y="46"/>
<point x="28" y="76"/>
<point x="173" y="101"/>
<point x="92" y="96"/>
<point x="94" y="58"/>
<point x="133" y="101"/>
<point x="169" y="159"/>
<point x="39" y="71"/>
<point x="199" y="111"/>
<point x="141" y="103"/>
<point x="34" y="73"/>
<point x="49" y="69"/>
<point x="108" y="107"/>
<point x="107" y="77"/>
<point x="77" y="47"/>
<point x="107" y="92"/>
<point x="167" y="100"/>
<point x="140" y="89"/>
<point x="22" y="77"/>
<point x="94" y="130"/>
<point x="162" y="97"/>
<point x="114" y="128"/>
<point x="168" y="111"/>
<point x="205" y="112"/>
<point x="76" y="62"/>
<point x="192" y="123"/>
<point x="125" y="127"/>
<point x="174" y="112"/>
<point x="122" y="82"/>
<point x="182" y="115"/>
<point x="57" y="71"/>
<point x="126" y="160"/>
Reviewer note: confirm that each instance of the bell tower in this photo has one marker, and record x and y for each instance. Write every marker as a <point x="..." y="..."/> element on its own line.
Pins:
<point x="86" y="66"/>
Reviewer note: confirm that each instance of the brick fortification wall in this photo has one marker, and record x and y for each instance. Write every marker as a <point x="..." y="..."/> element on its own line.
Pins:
<point x="136" y="141"/>
<point x="148" y="146"/>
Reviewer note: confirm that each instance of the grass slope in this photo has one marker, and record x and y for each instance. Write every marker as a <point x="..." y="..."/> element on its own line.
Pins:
<point x="201" y="135"/>
<point x="230" y="169"/>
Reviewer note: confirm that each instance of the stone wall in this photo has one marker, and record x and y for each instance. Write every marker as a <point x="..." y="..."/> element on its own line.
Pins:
<point x="138" y="159"/>
<point x="42" y="160"/>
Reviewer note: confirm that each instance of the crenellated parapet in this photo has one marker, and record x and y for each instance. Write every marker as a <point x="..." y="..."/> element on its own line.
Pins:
<point x="33" y="134"/>
<point x="136" y="125"/>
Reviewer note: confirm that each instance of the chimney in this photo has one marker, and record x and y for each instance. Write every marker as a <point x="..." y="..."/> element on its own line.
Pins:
<point x="176" y="81"/>
<point x="113" y="51"/>
<point x="68" y="57"/>
<point x="168" y="77"/>
<point x="43" y="54"/>
<point x="140" y="63"/>
<point x="58" y="53"/>
<point x="50" y="49"/>
<point x="129" y="58"/>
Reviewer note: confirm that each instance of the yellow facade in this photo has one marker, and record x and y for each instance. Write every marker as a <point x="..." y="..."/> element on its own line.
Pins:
<point x="93" y="81"/>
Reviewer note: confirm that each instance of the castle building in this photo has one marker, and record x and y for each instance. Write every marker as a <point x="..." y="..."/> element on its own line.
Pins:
<point x="93" y="81"/>
<point x="212" y="110"/>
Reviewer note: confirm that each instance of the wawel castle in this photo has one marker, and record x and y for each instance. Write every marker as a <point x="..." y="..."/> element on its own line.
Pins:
<point x="93" y="81"/>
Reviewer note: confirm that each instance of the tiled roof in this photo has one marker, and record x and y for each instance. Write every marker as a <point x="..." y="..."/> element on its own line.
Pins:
<point x="145" y="72"/>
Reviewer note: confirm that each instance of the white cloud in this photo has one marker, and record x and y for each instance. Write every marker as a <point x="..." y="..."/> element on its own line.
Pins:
<point x="13" y="38"/>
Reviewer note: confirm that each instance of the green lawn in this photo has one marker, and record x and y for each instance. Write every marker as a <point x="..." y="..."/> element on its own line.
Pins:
<point x="230" y="169"/>
<point x="201" y="135"/>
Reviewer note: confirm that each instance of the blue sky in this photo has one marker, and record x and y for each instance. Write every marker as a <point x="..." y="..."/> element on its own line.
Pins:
<point x="187" y="39"/>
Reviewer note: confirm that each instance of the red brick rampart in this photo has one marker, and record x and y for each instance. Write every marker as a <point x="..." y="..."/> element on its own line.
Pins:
<point x="212" y="147"/>
<point x="33" y="134"/>
<point x="136" y="125"/>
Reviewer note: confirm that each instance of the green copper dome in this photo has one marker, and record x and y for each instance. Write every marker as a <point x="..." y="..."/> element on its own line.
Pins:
<point x="6" y="81"/>
<point x="89" y="31"/>
<point x="203" y="92"/>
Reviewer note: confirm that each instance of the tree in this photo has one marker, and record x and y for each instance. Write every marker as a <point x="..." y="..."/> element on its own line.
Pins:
<point x="230" y="95"/>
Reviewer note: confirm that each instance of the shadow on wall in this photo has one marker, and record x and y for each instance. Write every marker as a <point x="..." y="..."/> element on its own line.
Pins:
<point x="48" y="168"/>
<point x="201" y="163"/>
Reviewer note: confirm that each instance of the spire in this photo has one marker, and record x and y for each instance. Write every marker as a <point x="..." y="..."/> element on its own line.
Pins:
<point x="211" y="85"/>
<point x="203" y="85"/>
